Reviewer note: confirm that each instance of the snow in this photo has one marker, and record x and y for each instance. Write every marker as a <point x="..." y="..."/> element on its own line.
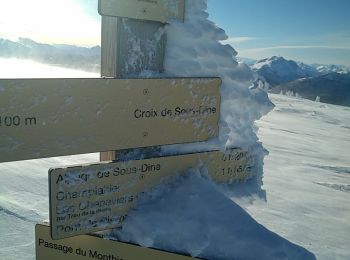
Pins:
<point x="193" y="216"/>
<point x="16" y="68"/>
<point x="194" y="49"/>
<point x="325" y="69"/>
<point x="306" y="175"/>
<point x="24" y="202"/>
<point x="277" y="70"/>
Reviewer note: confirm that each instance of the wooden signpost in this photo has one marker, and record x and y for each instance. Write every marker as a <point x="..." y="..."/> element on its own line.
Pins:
<point x="90" y="198"/>
<point x="52" y="117"/>
<point x="133" y="38"/>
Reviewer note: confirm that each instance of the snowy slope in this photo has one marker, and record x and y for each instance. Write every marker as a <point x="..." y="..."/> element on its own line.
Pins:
<point x="24" y="202"/>
<point x="325" y="69"/>
<point x="309" y="69"/>
<point x="17" y="68"/>
<point x="193" y="216"/>
<point x="307" y="175"/>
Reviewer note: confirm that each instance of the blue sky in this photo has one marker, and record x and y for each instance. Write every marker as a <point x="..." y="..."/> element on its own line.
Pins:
<point x="313" y="31"/>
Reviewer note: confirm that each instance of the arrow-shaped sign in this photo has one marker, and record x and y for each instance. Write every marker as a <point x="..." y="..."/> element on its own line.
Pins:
<point x="53" y="117"/>
<point x="95" y="197"/>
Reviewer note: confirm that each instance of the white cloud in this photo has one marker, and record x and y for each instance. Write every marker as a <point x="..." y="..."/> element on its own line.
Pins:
<point x="298" y="47"/>
<point x="322" y="54"/>
<point x="235" y="40"/>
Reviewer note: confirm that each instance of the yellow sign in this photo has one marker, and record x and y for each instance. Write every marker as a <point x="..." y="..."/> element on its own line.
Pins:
<point x="91" y="247"/>
<point x="85" y="199"/>
<point x="53" y="117"/>
<point x="153" y="10"/>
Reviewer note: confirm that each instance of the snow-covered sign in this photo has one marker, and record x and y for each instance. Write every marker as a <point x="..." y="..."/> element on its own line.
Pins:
<point x="52" y="117"/>
<point x="92" y="247"/>
<point x="152" y="10"/>
<point x="85" y="199"/>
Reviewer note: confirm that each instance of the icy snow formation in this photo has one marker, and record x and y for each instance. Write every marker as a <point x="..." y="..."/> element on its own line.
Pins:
<point x="196" y="218"/>
<point x="194" y="49"/>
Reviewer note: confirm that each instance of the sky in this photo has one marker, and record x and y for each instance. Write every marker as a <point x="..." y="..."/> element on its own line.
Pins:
<point x="312" y="31"/>
<point x="51" y="21"/>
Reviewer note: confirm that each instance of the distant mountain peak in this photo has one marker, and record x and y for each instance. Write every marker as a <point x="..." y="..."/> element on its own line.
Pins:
<point x="324" y="69"/>
<point x="277" y="70"/>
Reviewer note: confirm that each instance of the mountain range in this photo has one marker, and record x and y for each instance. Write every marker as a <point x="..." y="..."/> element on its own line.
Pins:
<point x="327" y="83"/>
<point x="332" y="88"/>
<point x="56" y="54"/>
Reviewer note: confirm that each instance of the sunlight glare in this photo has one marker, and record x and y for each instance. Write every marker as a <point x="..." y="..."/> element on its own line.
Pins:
<point x="53" y="21"/>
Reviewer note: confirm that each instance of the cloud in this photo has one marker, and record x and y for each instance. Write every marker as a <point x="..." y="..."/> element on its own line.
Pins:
<point x="291" y="47"/>
<point x="234" y="40"/>
<point x="322" y="54"/>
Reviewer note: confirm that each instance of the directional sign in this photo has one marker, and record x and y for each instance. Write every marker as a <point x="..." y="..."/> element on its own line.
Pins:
<point x="92" y="247"/>
<point x="153" y="10"/>
<point x="85" y="199"/>
<point x="52" y="117"/>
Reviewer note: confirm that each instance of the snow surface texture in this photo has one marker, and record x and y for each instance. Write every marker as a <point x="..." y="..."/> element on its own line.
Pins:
<point x="194" y="50"/>
<point x="193" y="216"/>
<point x="307" y="175"/>
<point x="15" y="68"/>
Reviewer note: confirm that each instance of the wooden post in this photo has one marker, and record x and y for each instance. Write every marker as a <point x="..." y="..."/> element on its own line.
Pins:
<point x="125" y="46"/>
<point x="109" y="58"/>
<point x="132" y="45"/>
